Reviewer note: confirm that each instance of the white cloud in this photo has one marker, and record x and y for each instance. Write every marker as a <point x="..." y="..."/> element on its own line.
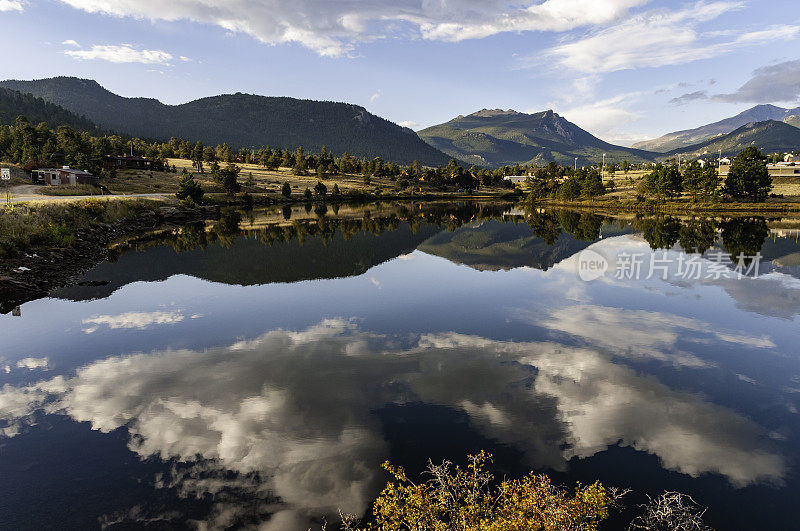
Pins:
<point x="604" y="118"/>
<point x="123" y="53"/>
<point x="374" y="97"/>
<point x="660" y="38"/>
<point x="10" y="5"/>
<point x="137" y="320"/>
<point x="773" y="83"/>
<point x="334" y="28"/>
<point x="185" y="59"/>
<point x="71" y="42"/>
<point x="409" y="123"/>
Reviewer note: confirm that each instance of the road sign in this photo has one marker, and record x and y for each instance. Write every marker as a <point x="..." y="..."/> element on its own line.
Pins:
<point x="5" y="174"/>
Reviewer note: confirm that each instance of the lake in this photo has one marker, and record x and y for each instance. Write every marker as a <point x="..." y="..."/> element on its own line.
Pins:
<point x="259" y="369"/>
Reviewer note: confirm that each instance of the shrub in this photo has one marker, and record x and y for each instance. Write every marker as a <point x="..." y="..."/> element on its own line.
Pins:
<point x="469" y="499"/>
<point x="188" y="188"/>
<point x="227" y="178"/>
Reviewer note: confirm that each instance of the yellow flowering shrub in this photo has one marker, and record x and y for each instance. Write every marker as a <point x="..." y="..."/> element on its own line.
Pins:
<point x="456" y="499"/>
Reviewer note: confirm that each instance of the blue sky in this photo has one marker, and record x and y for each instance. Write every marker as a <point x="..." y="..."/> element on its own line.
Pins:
<point x="625" y="70"/>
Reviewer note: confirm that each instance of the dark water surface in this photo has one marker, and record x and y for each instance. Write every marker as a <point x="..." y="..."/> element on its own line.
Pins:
<point x="258" y="371"/>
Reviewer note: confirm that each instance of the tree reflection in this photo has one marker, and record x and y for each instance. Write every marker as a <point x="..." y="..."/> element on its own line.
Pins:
<point x="697" y="235"/>
<point x="661" y="232"/>
<point x="744" y="236"/>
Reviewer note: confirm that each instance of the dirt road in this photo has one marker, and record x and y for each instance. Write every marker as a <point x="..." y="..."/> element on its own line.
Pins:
<point x="24" y="193"/>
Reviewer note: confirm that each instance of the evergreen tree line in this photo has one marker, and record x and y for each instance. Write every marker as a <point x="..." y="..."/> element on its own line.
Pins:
<point x="41" y="146"/>
<point x="556" y="181"/>
<point x="748" y="180"/>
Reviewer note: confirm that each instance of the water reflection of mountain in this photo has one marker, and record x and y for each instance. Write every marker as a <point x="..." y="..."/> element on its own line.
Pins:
<point x="246" y="260"/>
<point x="784" y="254"/>
<point x="493" y="246"/>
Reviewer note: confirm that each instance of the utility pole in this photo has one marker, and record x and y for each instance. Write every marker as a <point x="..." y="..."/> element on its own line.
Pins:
<point x="576" y="163"/>
<point x="603" y="167"/>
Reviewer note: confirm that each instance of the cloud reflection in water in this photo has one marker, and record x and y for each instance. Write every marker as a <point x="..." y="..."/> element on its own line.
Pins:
<point x="292" y="412"/>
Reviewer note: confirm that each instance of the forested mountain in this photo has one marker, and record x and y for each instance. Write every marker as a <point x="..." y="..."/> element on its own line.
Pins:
<point x="769" y="136"/>
<point x="241" y="120"/>
<point x="496" y="138"/>
<point x="689" y="137"/>
<point x="37" y="110"/>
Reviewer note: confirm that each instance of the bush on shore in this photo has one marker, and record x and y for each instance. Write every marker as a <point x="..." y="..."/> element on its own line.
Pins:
<point x="470" y="499"/>
<point x="24" y="227"/>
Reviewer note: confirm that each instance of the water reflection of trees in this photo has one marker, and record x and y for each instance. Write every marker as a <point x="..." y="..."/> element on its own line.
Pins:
<point x="548" y="225"/>
<point x="736" y="235"/>
<point x="229" y="226"/>
<point x="744" y="235"/>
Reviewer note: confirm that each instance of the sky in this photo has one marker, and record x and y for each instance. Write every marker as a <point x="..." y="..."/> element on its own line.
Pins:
<point x="625" y="70"/>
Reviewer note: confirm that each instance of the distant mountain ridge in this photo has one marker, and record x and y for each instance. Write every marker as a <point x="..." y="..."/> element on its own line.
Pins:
<point x="37" y="110"/>
<point x="769" y="136"/>
<point x="494" y="137"/>
<point x="241" y="120"/>
<point x="690" y="137"/>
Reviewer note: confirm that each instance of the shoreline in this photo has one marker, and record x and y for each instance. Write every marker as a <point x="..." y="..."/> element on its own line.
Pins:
<point x="33" y="275"/>
<point x="675" y="207"/>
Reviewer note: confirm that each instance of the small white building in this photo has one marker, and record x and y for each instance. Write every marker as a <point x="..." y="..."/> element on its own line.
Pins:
<point x="784" y="169"/>
<point x="516" y="179"/>
<point x="724" y="166"/>
<point x="63" y="175"/>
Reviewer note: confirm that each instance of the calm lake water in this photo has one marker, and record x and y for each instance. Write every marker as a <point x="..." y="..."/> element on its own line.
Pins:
<point x="258" y="370"/>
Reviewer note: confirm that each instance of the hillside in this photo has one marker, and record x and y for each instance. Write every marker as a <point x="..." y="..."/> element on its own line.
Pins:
<point x="241" y="120"/>
<point x="496" y="138"/>
<point x="793" y="120"/>
<point x="769" y="136"/>
<point x="37" y="110"/>
<point x="690" y="137"/>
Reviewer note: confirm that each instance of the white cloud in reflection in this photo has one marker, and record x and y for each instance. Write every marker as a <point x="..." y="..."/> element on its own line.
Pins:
<point x="772" y="295"/>
<point x="33" y="363"/>
<point x="296" y="410"/>
<point x="133" y="320"/>
<point x="638" y="334"/>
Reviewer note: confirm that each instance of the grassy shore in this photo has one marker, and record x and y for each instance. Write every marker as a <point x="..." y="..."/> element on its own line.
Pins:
<point x="675" y="207"/>
<point x="26" y="226"/>
<point x="622" y="198"/>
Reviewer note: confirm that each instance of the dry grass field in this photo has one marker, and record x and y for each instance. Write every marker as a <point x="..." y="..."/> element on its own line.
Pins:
<point x="265" y="181"/>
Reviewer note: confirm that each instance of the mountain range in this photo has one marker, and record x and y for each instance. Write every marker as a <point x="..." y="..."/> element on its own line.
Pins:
<point x="689" y="137"/>
<point x="487" y="138"/>
<point x="496" y="138"/>
<point x="769" y="136"/>
<point x="241" y="120"/>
